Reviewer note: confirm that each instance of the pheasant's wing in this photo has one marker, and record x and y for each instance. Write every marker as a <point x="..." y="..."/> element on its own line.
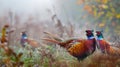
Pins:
<point x="33" y="43"/>
<point x="77" y="49"/>
<point x="104" y="45"/>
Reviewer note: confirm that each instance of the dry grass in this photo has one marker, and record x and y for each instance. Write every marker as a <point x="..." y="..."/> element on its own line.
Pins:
<point x="52" y="57"/>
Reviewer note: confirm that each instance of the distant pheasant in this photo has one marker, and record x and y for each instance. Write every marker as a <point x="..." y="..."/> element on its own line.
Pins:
<point x="25" y="39"/>
<point x="79" y="48"/>
<point x="105" y="46"/>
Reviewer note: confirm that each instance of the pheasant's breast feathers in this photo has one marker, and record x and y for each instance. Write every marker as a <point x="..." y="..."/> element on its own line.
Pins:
<point x="89" y="42"/>
<point x="103" y="44"/>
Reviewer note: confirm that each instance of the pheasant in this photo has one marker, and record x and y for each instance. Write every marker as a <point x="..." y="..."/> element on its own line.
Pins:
<point x="79" y="48"/>
<point x="105" y="46"/>
<point x="25" y="39"/>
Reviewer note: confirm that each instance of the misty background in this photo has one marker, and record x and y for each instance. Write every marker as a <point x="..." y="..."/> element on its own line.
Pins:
<point x="37" y="16"/>
<point x="44" y="8"/>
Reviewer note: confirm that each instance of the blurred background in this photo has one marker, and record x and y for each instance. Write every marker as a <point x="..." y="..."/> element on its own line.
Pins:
<point x="72" y="17"/>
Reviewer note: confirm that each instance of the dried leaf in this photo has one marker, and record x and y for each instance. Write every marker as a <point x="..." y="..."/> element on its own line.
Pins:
<point x="88" y="8"/>
<point x="95" y="13"/>
<point x="98" y="0"/>
<point x="19" y="55"/>
<point x="113" y="10"/>
<point x="101" y="25"/>
<point x="100" y="13"/>
<point x="6" y="60"/>
<point x="80" y="2"/>
<point x="118" y="16"/>
<point x="104" y="6"/>
<point x="104" y="1"/>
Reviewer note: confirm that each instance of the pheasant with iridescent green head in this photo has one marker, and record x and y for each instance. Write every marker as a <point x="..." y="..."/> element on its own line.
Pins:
<point x="105" y="46"/>
<point x="79" y="48"/>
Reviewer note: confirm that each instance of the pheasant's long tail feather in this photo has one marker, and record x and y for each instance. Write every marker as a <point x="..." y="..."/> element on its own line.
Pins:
<point x="53" y="36"/>
<point x="51" y="40"/>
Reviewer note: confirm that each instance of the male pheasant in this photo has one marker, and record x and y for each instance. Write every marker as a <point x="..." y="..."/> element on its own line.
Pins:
<point x="79" y="48"/>
<point x="25" y="39"/>
<point x="105" y="46"/>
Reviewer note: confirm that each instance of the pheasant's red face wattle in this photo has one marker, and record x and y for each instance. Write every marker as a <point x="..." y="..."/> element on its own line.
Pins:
<point x="89" y="33"/>
<point x="98" y="32"/>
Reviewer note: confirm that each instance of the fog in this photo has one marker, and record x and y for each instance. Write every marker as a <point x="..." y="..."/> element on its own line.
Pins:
<point x="65" y="10"/>
<point x="26" y="6"/>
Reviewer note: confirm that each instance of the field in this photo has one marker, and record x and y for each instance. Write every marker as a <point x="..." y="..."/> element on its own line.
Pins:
<point x="48" y="54"/>
<point x="62" y="21"/>
<point x="53" y="56"/>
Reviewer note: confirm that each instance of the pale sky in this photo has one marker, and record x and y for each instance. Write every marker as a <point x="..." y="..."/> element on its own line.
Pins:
<point x="64" y="8"/>
<point x="25" y="5"/>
